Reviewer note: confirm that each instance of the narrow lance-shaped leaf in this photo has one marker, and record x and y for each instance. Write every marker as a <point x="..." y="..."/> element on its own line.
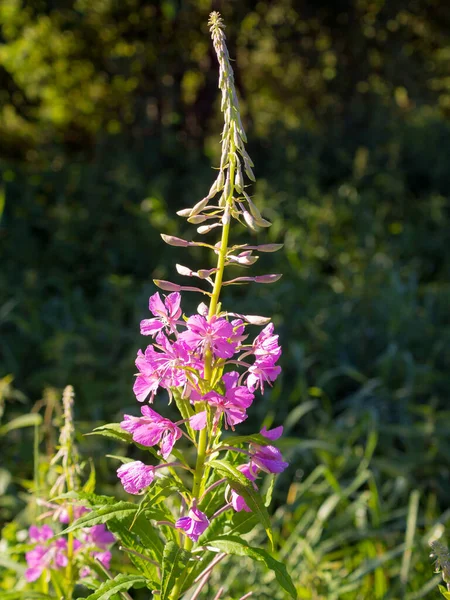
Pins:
<point x="245" y="488"/>
<point x="120" y="583"/>
<point x="175" y="562"/>
<point x="238" y="547"/>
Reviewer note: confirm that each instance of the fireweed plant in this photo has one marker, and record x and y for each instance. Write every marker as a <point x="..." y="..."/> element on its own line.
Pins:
<point x="55" y="563"/>
<point x="197" y="504"/>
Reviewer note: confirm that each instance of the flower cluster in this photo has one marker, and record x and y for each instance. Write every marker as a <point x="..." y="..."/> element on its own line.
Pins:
<point x="175" y="362"/>
<point x="52" y="554"/>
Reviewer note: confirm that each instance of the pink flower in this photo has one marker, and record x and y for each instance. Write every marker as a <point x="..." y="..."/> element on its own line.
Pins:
<point x="98" y="536"/>
<point x="151" y="429"/>
<point x="135" y="476"/>
<point x="52" y="555"/>
<point x="103" y="558"/>
<point x="214" y="334"/>
<point x="267" y="458"/>
<point x="164" y="368"/>
<point x="167" y="314"/>
<point x="262" y="371"/>
<point x="272" y="434"/>
<point x="238" y="332"/>
<point x="234" y="403"/>
<point x="78" y="511"/>
<point x="194" y="524"/>
<point x="237" y="501"/>
<point x="40" y="534"/>
<point x="266" y="344"/>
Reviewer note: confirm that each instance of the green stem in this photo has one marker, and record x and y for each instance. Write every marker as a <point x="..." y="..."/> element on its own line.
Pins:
<point x="203" y="435"/>
<point x="224" y="240"/>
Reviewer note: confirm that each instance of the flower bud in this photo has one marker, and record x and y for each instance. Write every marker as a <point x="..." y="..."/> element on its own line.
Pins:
<point x="268" y="278"/>
<point x="207" y="228"/>
<point x="197" y="208"/>
<point x="196" y="219"/>
<point x="185" y="212"/>
<point x="167" y="286"/>
<point x="184" y="270"/>
<point x="175" y="241"/>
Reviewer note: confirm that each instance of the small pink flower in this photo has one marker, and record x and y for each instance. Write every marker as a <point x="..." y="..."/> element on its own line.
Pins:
<point x="194" y="524"/>
<point x="262" y="371"/>
<point x="163" y="368"/>
<point x="103" y="558"/>
<point x="234" y="403"/>
<point x="238" y="332"/>
<point x="135" y="476"/>
<point x="214" y="334"/>
<point x="272" y="434"/>
<point x="151" y="429"/>
<point x="166" y="314"/>
<point x="237" y="501"/>
<point x="50" y="555"/>
<point x="266" y="344"/>
<point x="99" y="536"/>
<point x="78" y="511"/>
<point x="268" y="459"/>
<point x="40" y="534"/>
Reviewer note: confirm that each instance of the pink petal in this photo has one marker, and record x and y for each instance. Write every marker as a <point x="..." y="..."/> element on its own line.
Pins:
<point x="156" y="305"/>
<point x="198" y="421"/>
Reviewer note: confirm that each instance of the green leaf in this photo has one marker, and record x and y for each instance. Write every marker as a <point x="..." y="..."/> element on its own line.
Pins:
<point x="236" y="546"/>
<point x="119" y="510"/>
<point x="185" y="409"/>
<point x="29" y="420"/>
<point x="9" y="563"/>
<point x="118" y="584"/>
<point x="114" y="431"/>
<point x="25" y="595"/>
<point x="175" y="562"/>
<point x="89" y="486"/>
<point x="245" y="488"/>
<point x="235" y="440"/>
<point x="142" y="538"/>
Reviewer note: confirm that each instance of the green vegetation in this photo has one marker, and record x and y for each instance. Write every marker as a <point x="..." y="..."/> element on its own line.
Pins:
<point x="108" y="126"/>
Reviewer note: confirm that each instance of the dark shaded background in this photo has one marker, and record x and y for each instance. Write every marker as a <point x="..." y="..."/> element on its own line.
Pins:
<point x="109" y="123"/>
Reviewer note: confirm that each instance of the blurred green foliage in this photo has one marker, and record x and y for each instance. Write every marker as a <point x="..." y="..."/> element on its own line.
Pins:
<point x="109" y="124"/>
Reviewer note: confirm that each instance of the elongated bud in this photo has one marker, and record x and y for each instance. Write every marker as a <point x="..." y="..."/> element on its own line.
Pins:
<point x="175" y="241"/>
<point x="226" y="215"/>
<point x="207" y="228"/>
<point x="195" y="220"/>
<point x="248" y="218"/>
<point x="220" y="179"/>
<point x="205" y="273"/>
<point x="197" y="208"/>
<point x="184" y="270"/>
<point x="268" y="247"/>
<point x="239" y="181"/>
<point x="184" y="212"/>
<point x="271" y="278"/>
<point x="268" y="278"/>
<point x="167" y="286"/>
<point x="251" y="319"/>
